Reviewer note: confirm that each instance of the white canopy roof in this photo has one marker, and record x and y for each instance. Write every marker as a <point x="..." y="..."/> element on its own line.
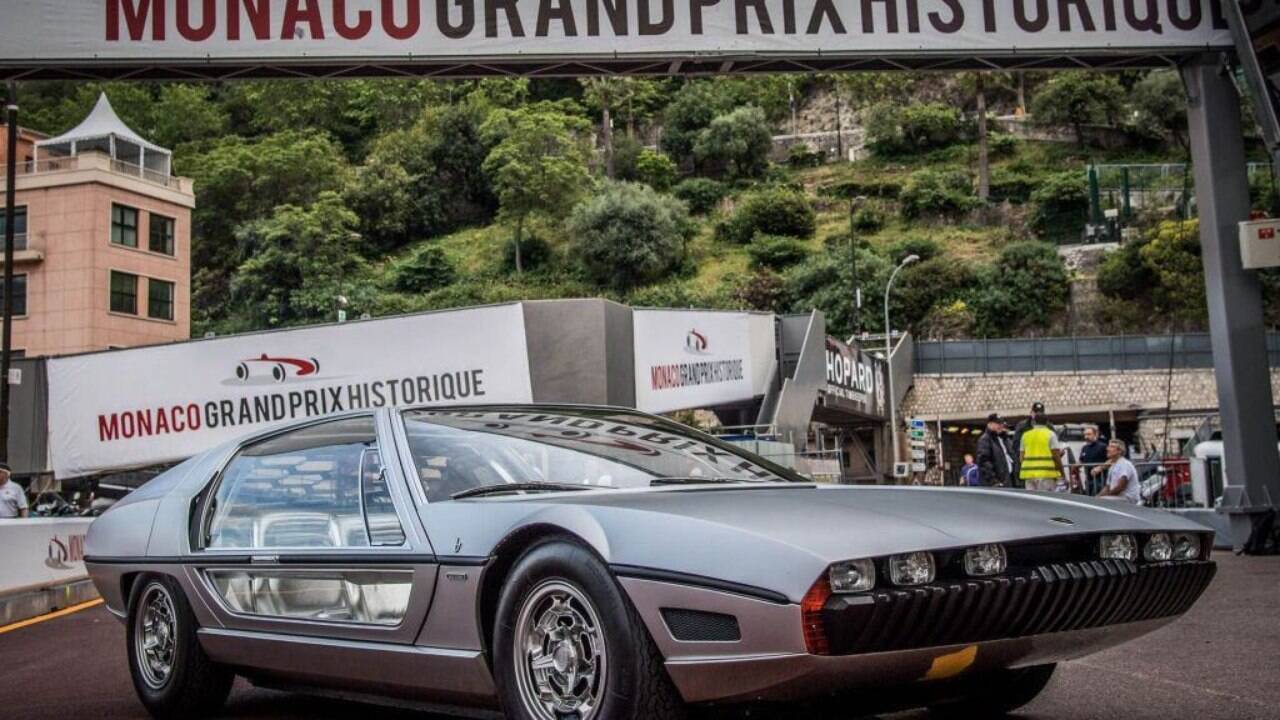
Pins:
<point x="104" y="130"/>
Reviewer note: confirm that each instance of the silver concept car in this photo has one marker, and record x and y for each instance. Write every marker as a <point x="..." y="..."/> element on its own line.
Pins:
<point x="552" y="562"/>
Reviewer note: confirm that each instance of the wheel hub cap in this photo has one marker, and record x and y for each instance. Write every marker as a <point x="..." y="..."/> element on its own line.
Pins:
<point x="155" y="636"/>
<point x="560" y="652"/>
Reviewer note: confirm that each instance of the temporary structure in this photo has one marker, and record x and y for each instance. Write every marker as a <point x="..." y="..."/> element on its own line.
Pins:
<point x="103" y="130"/>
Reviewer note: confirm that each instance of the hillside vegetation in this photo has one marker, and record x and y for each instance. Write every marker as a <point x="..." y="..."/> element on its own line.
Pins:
<point x="410" y="195"/>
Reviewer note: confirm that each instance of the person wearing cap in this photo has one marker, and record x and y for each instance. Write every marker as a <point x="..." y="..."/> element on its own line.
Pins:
<point x="1040" y="454"/>
<point x="13" y="499"/>
<point x="995" y="462"/>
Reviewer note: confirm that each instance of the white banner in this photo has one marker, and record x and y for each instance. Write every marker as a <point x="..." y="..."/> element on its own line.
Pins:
<point x="693" y="359"/>
<point x="39" y="552"/>
<point x="155" y="32"/>
<point x="132" y="408"/>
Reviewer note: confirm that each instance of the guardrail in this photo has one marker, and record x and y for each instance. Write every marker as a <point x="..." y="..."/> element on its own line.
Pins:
<point x="1072" y="354"/>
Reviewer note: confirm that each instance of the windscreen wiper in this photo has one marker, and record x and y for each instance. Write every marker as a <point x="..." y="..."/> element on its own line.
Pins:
<point x="519" y="487"/>
<point x="695" y="481"/>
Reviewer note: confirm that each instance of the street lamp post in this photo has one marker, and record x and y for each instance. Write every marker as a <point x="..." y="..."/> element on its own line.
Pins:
<point x="888" y="358"/>
<point x="11" y="181"/>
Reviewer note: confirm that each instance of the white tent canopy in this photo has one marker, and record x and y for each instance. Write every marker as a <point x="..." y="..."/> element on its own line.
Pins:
<point x="104" y="130"/>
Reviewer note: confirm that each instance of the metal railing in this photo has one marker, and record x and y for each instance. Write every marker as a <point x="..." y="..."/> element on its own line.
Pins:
<point x="62" y="164"/>
<point x="1072" y="354"/>
<point x="1162" y="483"/>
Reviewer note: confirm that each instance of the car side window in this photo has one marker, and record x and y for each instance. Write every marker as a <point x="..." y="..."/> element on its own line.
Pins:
<point x="321" y="486"/>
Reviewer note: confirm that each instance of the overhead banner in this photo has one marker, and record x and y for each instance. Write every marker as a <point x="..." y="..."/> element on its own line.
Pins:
<point x="154" y="33"/>
<point x="696" y="359"/>
<point x="134" y="408"/>
<point x="855" y="381"/>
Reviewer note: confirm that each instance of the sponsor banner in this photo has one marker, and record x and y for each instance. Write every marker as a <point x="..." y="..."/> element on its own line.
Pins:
<point x="156" y="32"/>
<point x="39" y="552"/>
<point x="855" y="380"/>
<point x="132" y="408"/>
<point x="694" y="359"/>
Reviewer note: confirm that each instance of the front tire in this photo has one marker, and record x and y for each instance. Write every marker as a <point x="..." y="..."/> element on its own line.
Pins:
<point x="999" y="694"/>
<point x="171" y="673"/>
<point x="568" y="643"/>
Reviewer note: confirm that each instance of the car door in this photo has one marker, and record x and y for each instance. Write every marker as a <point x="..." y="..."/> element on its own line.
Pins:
<point x="307" y="532"/>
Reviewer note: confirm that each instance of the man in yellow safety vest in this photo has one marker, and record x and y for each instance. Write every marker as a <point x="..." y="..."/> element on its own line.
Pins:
<point x="1041" y="454"/>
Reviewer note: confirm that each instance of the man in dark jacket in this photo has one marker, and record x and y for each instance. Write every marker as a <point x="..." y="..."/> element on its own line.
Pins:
<point x="995" y="461"/>
<point x="1093" y="454"/>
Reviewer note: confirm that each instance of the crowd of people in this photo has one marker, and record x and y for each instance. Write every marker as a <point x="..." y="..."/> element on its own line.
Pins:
<point x="1032" y="456"/>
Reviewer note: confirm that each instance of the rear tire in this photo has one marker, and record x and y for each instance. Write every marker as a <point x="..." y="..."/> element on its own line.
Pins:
<point x="998" y="694"/>
<point x="171" y="673"/>
<point x="566" y="633"/>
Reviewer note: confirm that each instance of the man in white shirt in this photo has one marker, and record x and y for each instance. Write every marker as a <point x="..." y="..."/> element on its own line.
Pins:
<point x="13" y="499"/>
<point x="1122" y="476"/>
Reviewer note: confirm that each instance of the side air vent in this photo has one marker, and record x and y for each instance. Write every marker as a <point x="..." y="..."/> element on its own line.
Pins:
<point x="699" y="626"/>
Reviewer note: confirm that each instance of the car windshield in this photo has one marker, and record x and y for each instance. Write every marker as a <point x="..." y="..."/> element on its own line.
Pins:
<point x="459" y="450"/>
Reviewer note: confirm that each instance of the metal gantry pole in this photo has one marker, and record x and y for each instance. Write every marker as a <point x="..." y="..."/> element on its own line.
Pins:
<point x="10" y="199"/>
<point x="888" y="359"/>
<point x="1234" y="297"/>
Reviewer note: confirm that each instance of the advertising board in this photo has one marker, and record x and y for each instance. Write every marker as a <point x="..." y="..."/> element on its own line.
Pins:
<point x="696" y="359"/>
<point x="40" y="552"/>
<point x="855" y="381"/>
<point x="140" y="407"/>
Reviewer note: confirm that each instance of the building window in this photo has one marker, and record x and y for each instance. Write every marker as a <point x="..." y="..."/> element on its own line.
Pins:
<point x="124" y="293"/>
<point x="124" y="226"/>
<point x="19" y="227"/>
<point x="161" y="234"/>
<point x="159" y="299"/>
<point x="19" y="294"/>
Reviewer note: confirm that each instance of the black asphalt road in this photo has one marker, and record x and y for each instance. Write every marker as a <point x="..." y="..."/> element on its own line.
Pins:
<point x="1220" y="662"/>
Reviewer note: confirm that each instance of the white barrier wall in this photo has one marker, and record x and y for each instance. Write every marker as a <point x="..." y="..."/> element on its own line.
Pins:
<point x="40" y="552"/>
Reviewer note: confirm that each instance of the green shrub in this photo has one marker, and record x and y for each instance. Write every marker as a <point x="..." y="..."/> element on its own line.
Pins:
<point x="776" y="211"/>
<point x="1123" y="275"/>
<point x="736" y="144"/>
<point x="933" y="193"/>
<point x="1001" y="144"/>
<point x="867" y="219"/>
<point x="1011" y="187"/>
<point x="935" y="280"/>
<point x="800" y="156"/>
<point x="864" y="187"/>
<point x="426" y="269"/>
<point x="626" y="157"/>
<point x="534" y="253"/>
<point x="1062" y="206"/>
<point x="655" y="170"/>
<point x="775" y="252"/>
<point x="761" y="291"/>
<point x="1025" y="288"/>
<point x="701" y="194"/>
<point x="922" y="246"/>
<point x="627" y="235"/>
<point x="910" y="129"/>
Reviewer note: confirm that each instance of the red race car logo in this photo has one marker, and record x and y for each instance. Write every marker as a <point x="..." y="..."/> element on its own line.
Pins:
<point x="280" y="368"/>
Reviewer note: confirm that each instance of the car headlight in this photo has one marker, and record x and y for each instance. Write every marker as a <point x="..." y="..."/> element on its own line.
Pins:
<point x="1186" y="546"/>
<point x="985" y="560"/>
<point x="1158" y="548"/>
<point x="915" y="568"/>
<point x="852" y="576"/>
<point x="1118" y="547"/>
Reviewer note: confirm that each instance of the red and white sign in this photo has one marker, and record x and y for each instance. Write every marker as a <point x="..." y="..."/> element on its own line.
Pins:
<point x="40" y="552"/>
<point x="134" y="408"/>
<point x="699" y="358"/>
<point x="279" y="32"/>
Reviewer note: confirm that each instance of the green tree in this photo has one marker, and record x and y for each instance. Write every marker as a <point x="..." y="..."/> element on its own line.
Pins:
<point x="826" y="281"/>
<point x="629" y="235"/>
<point x="692" y="109"/>
<point x="1024" y="288"/>
<point x="775" y="211"/>
<point x="656" y="170"/>
<point x="300" y="261"/>
<point x="379" y="192"/>
<point x="1159" y="102"/>
<point x="1076" y="99"/>
<point x="736" y="143"/>
<point x="538" y="164"/>
<point x="605" y="94"/>
<point x="894" y="129"/>
<point x="426" y="269"/>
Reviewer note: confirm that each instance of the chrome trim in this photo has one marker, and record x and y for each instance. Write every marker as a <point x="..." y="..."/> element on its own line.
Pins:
<point x="155" y="636"/>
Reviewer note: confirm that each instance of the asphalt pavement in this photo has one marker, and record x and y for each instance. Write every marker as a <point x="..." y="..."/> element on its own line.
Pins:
<point x="1219" y="662"/>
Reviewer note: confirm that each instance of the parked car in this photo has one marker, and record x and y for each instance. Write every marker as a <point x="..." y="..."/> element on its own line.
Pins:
<point x="600" y="563"/>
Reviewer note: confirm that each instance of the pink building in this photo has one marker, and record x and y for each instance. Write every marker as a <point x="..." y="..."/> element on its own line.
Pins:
<point x="103" y="247"/>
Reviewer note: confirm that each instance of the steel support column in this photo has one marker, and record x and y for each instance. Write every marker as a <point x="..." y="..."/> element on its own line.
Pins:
<point x="1234" y="296"/>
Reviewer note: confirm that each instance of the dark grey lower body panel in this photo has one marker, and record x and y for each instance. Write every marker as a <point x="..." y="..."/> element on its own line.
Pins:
<point x="434" y="675"/>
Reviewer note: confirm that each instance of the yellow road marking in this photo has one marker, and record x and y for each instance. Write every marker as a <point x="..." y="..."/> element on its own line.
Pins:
<point x="50" y="616"/>
<point x="952" y="664"/>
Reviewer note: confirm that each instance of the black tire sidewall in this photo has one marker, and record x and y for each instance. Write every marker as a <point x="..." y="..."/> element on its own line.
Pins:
<point x="194" y="685"/>
<point x="577" y="566"/>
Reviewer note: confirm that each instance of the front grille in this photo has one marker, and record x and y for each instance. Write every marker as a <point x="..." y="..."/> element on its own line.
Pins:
<point x="699" y="626"/>
<point x="1051" y="598"/>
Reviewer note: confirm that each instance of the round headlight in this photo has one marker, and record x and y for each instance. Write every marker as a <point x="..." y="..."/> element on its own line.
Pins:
<point x="985" y="560"/>
<point x="911" y="568"/>
<point x="1158" y="548"/>
<point x="1186" y="546"/>
<point x="1118" y="547"/>
<point x="852" y="576"/>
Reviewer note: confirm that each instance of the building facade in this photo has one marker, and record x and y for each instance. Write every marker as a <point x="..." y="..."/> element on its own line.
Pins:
<point x="102" y="241"/>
